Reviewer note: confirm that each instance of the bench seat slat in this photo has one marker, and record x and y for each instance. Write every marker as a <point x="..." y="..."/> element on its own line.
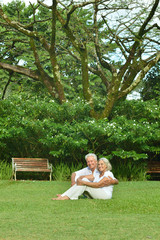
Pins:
<point x="31" y="164"/>
<point x="32" y="170"/>
<point x="31" y="167"/>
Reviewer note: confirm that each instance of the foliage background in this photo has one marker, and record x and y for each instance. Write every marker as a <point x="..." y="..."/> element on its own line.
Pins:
<point x="33" y="126"/>
<point x="96" y="51"/>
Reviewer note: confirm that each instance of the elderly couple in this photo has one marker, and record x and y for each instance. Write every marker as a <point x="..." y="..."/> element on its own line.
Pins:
<point x="97" y="184"/>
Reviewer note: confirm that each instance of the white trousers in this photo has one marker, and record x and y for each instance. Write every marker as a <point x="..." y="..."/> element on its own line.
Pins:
<point x="97" y="193"/>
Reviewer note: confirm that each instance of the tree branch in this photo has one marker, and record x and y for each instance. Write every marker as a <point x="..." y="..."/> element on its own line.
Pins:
<point x="80" y="5"/>
<point x="21" y="28"/>
<point x="53" y="38"/>
<point x="101" y="60"/>
<point x="153" y="26"/>
<point x="7" y="84"/>
<point x="20" y="70"/>
<point x="151" y="14"/>
<point x="141" y="75"/>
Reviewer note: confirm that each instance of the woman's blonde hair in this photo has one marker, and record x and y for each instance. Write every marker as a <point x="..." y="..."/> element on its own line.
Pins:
<point x="107" y="163"/>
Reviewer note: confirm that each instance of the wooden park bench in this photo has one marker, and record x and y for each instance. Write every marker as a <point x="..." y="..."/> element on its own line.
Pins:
<point x="30" y="165"/>
<point x="153" y="168"/>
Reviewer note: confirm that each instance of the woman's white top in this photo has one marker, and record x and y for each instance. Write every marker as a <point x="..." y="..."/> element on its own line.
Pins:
<point x="106" y="174"/>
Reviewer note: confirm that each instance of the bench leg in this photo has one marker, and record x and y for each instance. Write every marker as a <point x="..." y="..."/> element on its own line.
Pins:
<point x="51" y="176"/>
<point x="14" y="176"/>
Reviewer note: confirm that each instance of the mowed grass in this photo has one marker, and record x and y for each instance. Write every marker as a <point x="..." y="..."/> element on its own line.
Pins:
<point x="28" y="213"/>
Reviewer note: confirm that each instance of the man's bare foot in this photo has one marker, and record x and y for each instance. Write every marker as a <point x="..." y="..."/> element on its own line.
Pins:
<point x="53" y="198"/>
<point x="58" y="195"/>
<point x="61" y="198"/>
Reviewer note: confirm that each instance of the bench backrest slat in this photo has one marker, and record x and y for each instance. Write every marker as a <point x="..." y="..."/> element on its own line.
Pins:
<point x="154" y="166"/>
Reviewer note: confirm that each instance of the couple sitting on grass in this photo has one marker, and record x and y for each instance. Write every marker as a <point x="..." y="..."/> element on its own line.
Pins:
<point x="97" y="184"/>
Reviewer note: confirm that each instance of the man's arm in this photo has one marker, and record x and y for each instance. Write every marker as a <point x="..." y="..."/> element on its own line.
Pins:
<point x="90" y="184"/>
<point x="73" y="176"/>
<point x="89" y="177"/>
<point x="106" y="181"/>
<point x="77" y="174"/>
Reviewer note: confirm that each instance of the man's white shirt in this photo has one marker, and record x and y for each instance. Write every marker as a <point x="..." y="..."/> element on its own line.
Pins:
<point x="86" y="171"/>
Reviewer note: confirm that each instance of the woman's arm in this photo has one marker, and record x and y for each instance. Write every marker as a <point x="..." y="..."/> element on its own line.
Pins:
<point x="110" y="181"/>
<point x="99" y="184"/>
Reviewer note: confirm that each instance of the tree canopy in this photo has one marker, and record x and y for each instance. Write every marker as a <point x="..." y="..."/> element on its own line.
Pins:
<point x="98" y="48"/>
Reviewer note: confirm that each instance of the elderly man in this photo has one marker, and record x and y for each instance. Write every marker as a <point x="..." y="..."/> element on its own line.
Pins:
<point x="91" y="160"/>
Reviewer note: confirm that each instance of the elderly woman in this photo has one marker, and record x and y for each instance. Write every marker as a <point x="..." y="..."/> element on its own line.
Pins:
<point x="94" y="186"/>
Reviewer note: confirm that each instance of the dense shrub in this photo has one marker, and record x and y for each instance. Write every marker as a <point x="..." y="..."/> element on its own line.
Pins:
<point x="34" y="127"/>
<point x="5" y="170"/>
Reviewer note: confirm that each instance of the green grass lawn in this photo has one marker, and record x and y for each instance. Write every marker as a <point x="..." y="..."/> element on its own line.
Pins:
<point x="28" y="213"/>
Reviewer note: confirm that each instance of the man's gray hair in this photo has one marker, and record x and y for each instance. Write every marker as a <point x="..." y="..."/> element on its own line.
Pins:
<point x="107" y="163"/>
<point x="91" y="155"/>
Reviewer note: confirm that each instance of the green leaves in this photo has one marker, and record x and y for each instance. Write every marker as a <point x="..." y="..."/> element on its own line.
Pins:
<point x="129" y="155"/>
<point x="31" y="126"/>
<point x="151" y="84"/>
